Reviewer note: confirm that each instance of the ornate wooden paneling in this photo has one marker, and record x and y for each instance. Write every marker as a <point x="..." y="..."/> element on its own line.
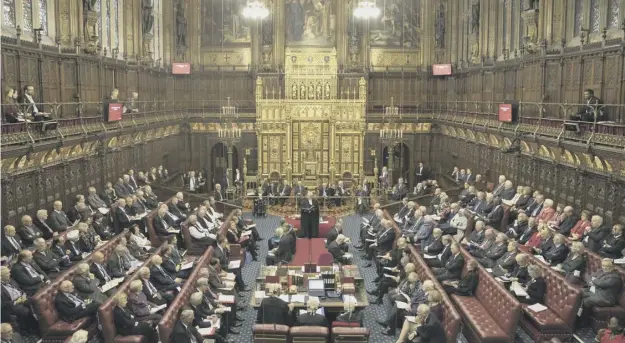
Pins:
<point x="50" y="80"/>
<point x="29" y="70"/>
<point x="9" y="70"/>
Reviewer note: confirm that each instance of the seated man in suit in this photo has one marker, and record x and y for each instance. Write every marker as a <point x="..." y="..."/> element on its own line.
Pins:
<point x="558" y="251"/>
<point x="273" y="310"/>
<point x="334" y="232"/>
<point x="338" y="254"/>
<point x="284" y="250"/>
<point x="28" y="232"/>
<point x="491" y="256"/>
<point x="391" y="259"/>
<point x="58" y="220"/>
<point x="72" y="245"/>
<point x="139" y="305"/>
<point x="15" y="302"/>
<point x="443" y="256"/>
<point x="126" y="323"/>
<point x="603" y="289"/>
<point x="11" y="243"/>
<point x="8" y="336"/>
<point x="99" y="270"/>
<point x="170" y="265"/>
<point x="161" y="279"/>
<point x="70" y="307"/>
<point x="311" y="317"/>
<point x="478" y="250"/>
<point x="476" y="237"/>
<point x="435" y="245"/>
<point x="203" y="316"/>
<point x="185" y="332"/>
<point x="391" y="282"/>
<point x="48" y="262"/>
<point x="152" y="294"/>
<point x="27" y="274"/>
<point x="453" y="265"/>
<point x="506" y="263"/>
<point x="118" y="264"/>
<point x="614" y="243"/>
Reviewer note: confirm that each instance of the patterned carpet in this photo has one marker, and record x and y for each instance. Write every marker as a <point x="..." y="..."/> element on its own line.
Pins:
<point x="266" y="227"/>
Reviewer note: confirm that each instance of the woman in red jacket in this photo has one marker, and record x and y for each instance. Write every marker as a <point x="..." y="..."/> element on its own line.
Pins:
<point x="583" y="225"/>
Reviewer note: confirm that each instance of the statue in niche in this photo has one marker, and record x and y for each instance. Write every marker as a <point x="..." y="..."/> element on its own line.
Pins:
<point x="319" y="92"/>
<point x="148" y="16"/>
<point x="475" y="17"/>
<point x="311" y="91"/>
<point x="529" y="5"/>
<point x="302" y="91"/>
<point x="294" y="91"/>
<point x="327" y="91"/>
<point x="89" y="5"/>
<point x="181" y="25"/>
<point x="90" y="24"/>
<point x="440" y="27"/>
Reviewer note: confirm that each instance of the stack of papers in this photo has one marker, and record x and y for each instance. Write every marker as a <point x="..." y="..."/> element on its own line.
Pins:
<point x="234" y="264"/>
<point x="284" y="297"/>
<point x="228" y="299"/>
<point x="348" y="255"/>
<point x="298" y="298"/>
<point x="157" y="308"/>
<point x="103" y="210"/>
<point x="259" y="295"/>
<point x="229" y="277"/>
<point x="173" y="231"/>
<point x="537" y="307"/>
<point x="402" y="305"/>
<point x="518" y="290"/>
<point x="111" y="284"/>
<point x="187" y="265"/>
<point x="349" y="298"/>
<point x="429" y="257"/>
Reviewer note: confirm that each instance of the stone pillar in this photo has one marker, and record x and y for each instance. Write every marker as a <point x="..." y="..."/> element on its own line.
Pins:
<point x="230" y="163"/>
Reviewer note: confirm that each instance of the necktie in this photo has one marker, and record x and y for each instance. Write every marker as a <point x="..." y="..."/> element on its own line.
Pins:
<point x="14" y="242"/>
<point x="75" y="299"/>
<point x="477" y="205"/>
<point x="31" y="270"/>
<point x="107" y="278"/>
<point x="150" y="287"/>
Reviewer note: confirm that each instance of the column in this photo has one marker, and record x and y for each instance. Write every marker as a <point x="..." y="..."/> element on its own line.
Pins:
<point x="230" y="162"/>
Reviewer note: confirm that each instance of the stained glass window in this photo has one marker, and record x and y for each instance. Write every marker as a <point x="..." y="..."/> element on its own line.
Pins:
<point x="579" y="17"/>
<point x="8" y="12"/>
<point x="108" y="23"/>
<point x="116" y="25"/>
<point x="594" y="15"/>
<point x="27" y="19"/>
<point x="43" y="15"/>
<point x="614" y="9"/>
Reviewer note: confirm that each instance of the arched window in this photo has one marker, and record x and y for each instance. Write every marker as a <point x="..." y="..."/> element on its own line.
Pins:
<point x="594" y="16"/>
<point x="43" y="16"/>
<point x="27" y="12"/>
<point x="8" y="13"/>
<point x="614" y="12"/>
<point x="107" y="23"/>
<point x="579" y="17"/>
<point x="28" y="15"/>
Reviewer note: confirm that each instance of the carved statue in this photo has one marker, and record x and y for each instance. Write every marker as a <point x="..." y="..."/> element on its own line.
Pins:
<point x="319" y="92"/>
<point x="148" y="16"/>
<point x="181" y="25"/>
<point x="440" y="27"/>
<point x="327" y="91"/>
<point x="89" y="5"/>
<point x="302" y="91"/>
<point x="475" y="17"/>
<point x="311" y="91"/>
<point x="294" y="91"/>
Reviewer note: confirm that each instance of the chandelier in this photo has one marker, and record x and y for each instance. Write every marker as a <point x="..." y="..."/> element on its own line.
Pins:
<point x="229" y="133"/>
<point x="256" y="9"/>
<point x="366" y="10"/>
<point x="391" y="136"/>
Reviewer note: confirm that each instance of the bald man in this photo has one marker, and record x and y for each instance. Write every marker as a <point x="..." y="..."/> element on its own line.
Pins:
<point x="70" y="307"/>
<point x="58" y="220"/>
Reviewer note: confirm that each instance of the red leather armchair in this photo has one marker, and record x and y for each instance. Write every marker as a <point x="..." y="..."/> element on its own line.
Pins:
<point x="105" y="312"/>
<point x="309" y="334"/>
<point x="492" y="314"/>
<point x="350" y="335"/>
<point x="166" y="325"/>
<point x="270" y="333"/>
<point x="51" y="327"/>
<point x="562" y="301"/>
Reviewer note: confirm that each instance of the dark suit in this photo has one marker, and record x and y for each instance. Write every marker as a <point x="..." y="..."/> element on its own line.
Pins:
<point x="274" y="310"/>
<point x="337" y="252"/>
<point x="466" y="286"/>
<point x="311" y="319"/>
<point x="10" y="308"/>
<point x="332" y="234"/>
<point x="491" y="256"/>
<point x="28" y="234"/>
<point x="153" y="295"/>
<point x="58" y="221"/>
<point x="452" y="270"/>
<point x="28" y="283"/>
<point x="70" y="311"/>
<point x="556" y="255"/>
<point x="122" y="218"/>
<point x="536" y="289"/>
<point x="121" y="190"/>
<point x="44" y="228"/>
<point x="11" y="248"/>
<point x="87" y="288"/>
<point x="310" y="218"/>
<point x="117" y="266"/>
<point x="100" y="274"/>
<point x="48" y="263"/>
<point x="351" y="317"/>
<point x="434" y="248"/>
<point x="571" y="264"/>
<point x="431" y="331"/>
<point x="440" y="262"/>
<point x="595" y="237"/>
<point x="162" y="280"/>
<point x="477" y="205"/>
<point x="521" y="274"/>
<point x="182" y="334"/>
<point x="494" y="217"/>
<point x="567" y="224"/>
<point x="75" y="253"/>
<point x="608" y="288"/>
<point x="613" y="246"/>
<point x="505" y="264"/>
<point x="127" y="325"/>
<point x="283" y="253"/>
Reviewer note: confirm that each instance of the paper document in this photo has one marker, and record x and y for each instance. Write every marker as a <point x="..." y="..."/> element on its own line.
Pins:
<point x="173" y="231"/>
<point x="490" y="270"/>
<point x="518" y="290"/>
<point x="620" y="261"/>
<point x="103" y="210"/>
<point x="348" y="255"/>
<point x="429" y="257"/>
<point x="234" y="264"/>
<point x="259" y="295"/>
<point x="284" y="297"/>
<point x="206" y="331"/>
<point x="157" y="308"/>
<point x="592" y="289"/>
<point x="540" y="258"/>
<point x="349" y="298"/>
<point x="319" y="311"/>
<point x="185" y="266"/>
<point x="246" y="233"/>
<point x="298" y="298"/>
<point x="111" y="284"/>
<point x="250" y="226"/>
<point x="226" y="298"/>
<point x="229" y="276"/>
<point x="323" y="222"/>
<point x="411" y="319"/>
<point x="388" y="268"/>
<point x="402" y="305"/>
<point x="537" y="307"/>
<point x="389" y="276"/>
<point x="503" y="278"/>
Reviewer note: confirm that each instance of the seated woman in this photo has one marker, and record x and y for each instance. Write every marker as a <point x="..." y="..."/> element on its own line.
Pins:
<point x="581" y="227"/>
<point x="574" y="264"/>
<point x="138" y="239"/>
<point x="535" y="287"/>
<point x="246" y="242"/>
<point x="467" y="285"/>
<point x="435" y="302"/>
<point x="139" y="305"/>
<point x="126" y="323"/>
<point x="612" y="334"/>
<point x="351" y="315"/>
<point x="273" y="241"/>
<point x="537" y="238"/>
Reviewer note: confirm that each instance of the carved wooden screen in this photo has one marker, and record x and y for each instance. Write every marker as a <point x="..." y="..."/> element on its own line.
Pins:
<point x="311" y="143"/>
<point x="347" y="152"/>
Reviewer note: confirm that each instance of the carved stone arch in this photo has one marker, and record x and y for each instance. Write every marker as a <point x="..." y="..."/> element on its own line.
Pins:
<point x="586" y="160"/>
<point x="460" y="133"/>
<point x="481" y="138"/>
<point x="113" y="142"/>
<point x="608" y="166"/>
<point x="445" y="130"/>
<point x="452" y="131"/>
<point x="149" y="134"/>
<point x="494" y="141"/>
<point x="545" y="152"/>
<point x="50" y="156"/>
<point x="526" y="148"/>
<point x="77" y="150"/>
<point x="471" y="136"/>
<point x="622" y="167"/>
<point x="598" y="163"/>
<point x="7" y="164"/>
<point x="570" y="158"/>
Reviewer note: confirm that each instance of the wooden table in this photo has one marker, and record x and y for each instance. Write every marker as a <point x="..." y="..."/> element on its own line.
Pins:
<point x="330" y="304"/>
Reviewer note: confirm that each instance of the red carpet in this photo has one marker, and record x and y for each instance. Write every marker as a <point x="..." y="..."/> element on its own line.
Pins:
<point x="308" y="251"/>
<point x="324" y="228"/>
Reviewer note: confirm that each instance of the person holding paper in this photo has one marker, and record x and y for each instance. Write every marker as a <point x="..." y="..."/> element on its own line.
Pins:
<point x="139" y="305"/>
<point x="391" y="282"/>
<point x="491" y="256"/>
<point x="574" y="264"/>
<point x="406" y="294"/>
<point x="535" y="287"/>
<point x="152" y="294"/>
<point x="173" y="268"/>
<point x="311" y="317"/>
<point x="211" y="300"/>
<point x="221" y="253"/>
<point x="391" y="259"/>
<point x="99" y="270"/>
<point x="453" y="265"/>
<point x="185" y="332"/>
<point x="603" y="289"/>
<point x="126" y="323"/>
<point x="243" y="225"/>
<point x="310" y="216"/>
<point x="338" y="254"/>
<point x="506" y="263"/>
<point x="467" y="285"/>
<point x="202" y="315"/>
<point x="86" y="284"/>
<point x="490" y="239"/>
<point x="435" y="245"/>
<point x="87" y="240"/>
<point x="161" y="279"/>
<point x="235" y="237"/>
<point x="429" y="328"/>
<point x="284" y="250"/>
<point x="273" y="310"/>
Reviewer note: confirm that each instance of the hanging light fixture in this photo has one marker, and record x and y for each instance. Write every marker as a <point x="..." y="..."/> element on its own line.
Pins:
<point x="256" y="9"/>
<point x="366" y="10"/>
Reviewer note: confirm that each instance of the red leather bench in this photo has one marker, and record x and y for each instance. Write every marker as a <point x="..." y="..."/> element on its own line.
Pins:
<point x="562" y="301"/>
<point x="105" y="312"/>
<point x="600" y="316"/>
<point x="51" y="327"/>
<point x="166" y="325"/>
<point x="309" y="334"/>
<point x="350" y="335"/>
<point x="270" y="333"/>
<point x="492" y="314"/>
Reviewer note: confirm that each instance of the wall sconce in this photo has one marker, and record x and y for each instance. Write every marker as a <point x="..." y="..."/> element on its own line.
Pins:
<point x="115" y="53"/>
<point x="38" y="35"/>
<point x="372" y="152"/>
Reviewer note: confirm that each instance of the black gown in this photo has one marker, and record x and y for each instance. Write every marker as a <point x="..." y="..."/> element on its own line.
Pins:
<point x="310" y="218"/>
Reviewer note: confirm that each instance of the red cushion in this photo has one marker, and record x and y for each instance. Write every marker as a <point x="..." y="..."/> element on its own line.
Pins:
<point x="129" y="339"/>
<point x="345" y="324"/>
<point x="61" y="328"/>
<point x="545" y="320"/>
<point x="482" y="322"/>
